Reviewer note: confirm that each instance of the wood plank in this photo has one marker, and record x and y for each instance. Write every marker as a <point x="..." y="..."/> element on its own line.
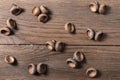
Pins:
<point x="33" y="32"/>
<point x="106" y="59"/>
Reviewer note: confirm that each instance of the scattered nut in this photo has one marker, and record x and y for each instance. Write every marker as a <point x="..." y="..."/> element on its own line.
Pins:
<point x="91" y="72"/>
<point x="5" y="31"/>
<point x="99" y="36"/>
<point x="44" y="9"/>
<point x="36" y="11"/>
<point x="59" y="46"/>
<point x="94" y="6"/>
<point x="70" y="27"/>
<point x="102" y="9"/>
<point x="32" y="69"/>
<point x="43" y="18"/>
<point x="41" y="68"/>
<point x="90" y="33"/>
<point x="51" y="45"/>
<point x="71" y="63"/>
<point x="9" y="59"/>
<point x="16" y="10"/>
<point x="78" y="56"/>
<point x="11" y="23"/>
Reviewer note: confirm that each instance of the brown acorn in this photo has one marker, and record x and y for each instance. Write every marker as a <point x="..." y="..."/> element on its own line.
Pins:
<point x="5" y="31"/>
<point x="91" y="72"/>
<point x="10" y="59"/>
<point x="94" y="6"/>
<point x="71" y="63"/>
<point x="78" y="56"/>
<point x="41" y="68"/>
<point x="32" y="69"/>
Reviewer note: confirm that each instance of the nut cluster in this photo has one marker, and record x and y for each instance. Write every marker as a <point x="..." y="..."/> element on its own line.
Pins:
<point x="11" y="26"/>
<point x="74" y="62"/>
<point x="16" y="10"/>
<point x="55" y="45"/>
<point x="39" y="68"/>
<point x="95" y="7"/>
<point x="42" y="13"/>
<point x="94" y="35"/>
<point x="78" y="57"/>
<point x="11" y="23"/>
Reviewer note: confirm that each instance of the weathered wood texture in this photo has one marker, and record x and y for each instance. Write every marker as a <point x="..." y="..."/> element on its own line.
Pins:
<point x="103" y="55"/>
<point x="105" y="59"/>
<point x="76" y="11"/>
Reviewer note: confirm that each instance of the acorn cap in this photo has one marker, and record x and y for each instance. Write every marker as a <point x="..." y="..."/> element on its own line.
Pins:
<point x="59" y="46"/>
<point x="70" y="27"/>
<point x="32" y="69"/>
<point x="78" y="56"/>
<point x="94" y="6"/>
<point x="102" y="9"/>
<point x="41" y="68"/>
<point x="9" y="59"/>
<point x="90" y="33"/>
<point x="44" y="9"/>
<point x="16" y="10"/>
<point x="91" y="72"/>
<point x="71" y="63"/>
<point x="11" y="23"/>
<point x="36" y="11"/>
<point x="43" y="18"/>
<point x="50" y="45"/>
<point x="5" y="31"/>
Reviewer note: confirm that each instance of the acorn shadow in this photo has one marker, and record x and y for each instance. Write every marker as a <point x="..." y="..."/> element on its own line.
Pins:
<point x="99" y="74"/>
<point x="103" y="37"/>
<point x="15" y="63"/>
<point x="108" y="10"/>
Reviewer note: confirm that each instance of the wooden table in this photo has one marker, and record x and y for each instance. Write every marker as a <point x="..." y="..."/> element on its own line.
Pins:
<point x="28" y="42"/>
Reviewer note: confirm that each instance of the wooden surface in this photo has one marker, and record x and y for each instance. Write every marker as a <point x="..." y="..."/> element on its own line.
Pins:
<point x="33" y="32"/>
<point x="27" y="44"/>
<point x="105" y="59"/>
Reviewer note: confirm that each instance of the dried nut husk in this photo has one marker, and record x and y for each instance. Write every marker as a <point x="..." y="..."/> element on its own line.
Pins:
<point x="91" y="72"/>
<point x="44" y="9"/>
<point x="71" y="63"/>
<point x="102" y="9"/>
<point x="32" y="69"/>
<point x="70" y="27"/>
<point x="41" y="68"/>
<point x="50" y="45"/>
<point x="5" y="31"/>
<point x="36" y="11"/>
<point x="90" y="33"/>
<point x="78" y="56"/>
<point x="59" y="46"/>
<point x="99" y="36"/>
<point x="43" y="18"/>
<point x="16" y="10"/>
<point x="94" y="6"/>
<point x="10" y="59"/>
<point x="11" y="23"/>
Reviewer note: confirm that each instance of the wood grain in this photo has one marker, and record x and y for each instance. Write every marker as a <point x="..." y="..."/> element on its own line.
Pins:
<point x="30" y="31"/>
<point x="105" y="59"/>
<point x="27" y="44"/>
